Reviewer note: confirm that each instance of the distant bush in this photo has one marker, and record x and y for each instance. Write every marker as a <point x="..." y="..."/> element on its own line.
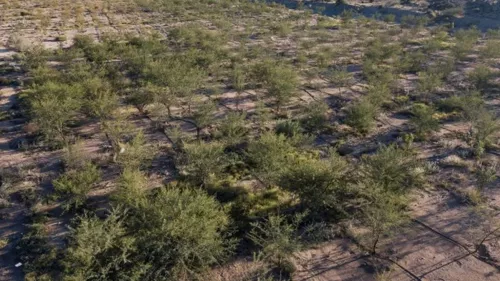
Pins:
<point x="480" y="76"/>
<point x="423" y="120"/>
<point x="361" y="116"/>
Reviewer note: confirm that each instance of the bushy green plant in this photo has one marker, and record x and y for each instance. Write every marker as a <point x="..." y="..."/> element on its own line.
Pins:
<point x="382" y="213"/>
<point x="319" y="183"/>
<point x="135" y="154"/>
<point x="340" y="78"/>
<point x="232" y="129"/>
<point x="480" y="76"/>
<point x="74" y="185"/>
<point x="102" y="250"/>
<point x="490" y="50"/>
<point x="181" y="231"/>
<point x="485" y="174"/>
<point x="53" y="106"/>
<point x="132" y="187"/>
<point x="423" y="120"/>
<point x="281" y="83"/>
<point x="361" y="116"/>
<point x="202" y="162"/>
<point x="428" y="82"/>
<point x="269" y="155"/>
<point x="315" y="116"/>
<point x="278" y="240"/>
<point x="203" y="116"/>
<point x="393" y="168"/>
<point x="484" y="125"/>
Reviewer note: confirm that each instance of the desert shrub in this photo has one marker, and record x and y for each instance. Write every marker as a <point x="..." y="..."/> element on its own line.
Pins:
<point x="340" y="77"/>
<point x="203" y="116"/>
<point x="280" y="81"/>
<point x="461" y="103"/>
<point x="181" y="231"/>
<point x="490" y="50"/>
<point x="382" y="213"/>
<point x="117" y="130"/>
<point x="480" y="76"/>
<point x="411" y="21"/>
<point x="232" y="129"/>
<point x="432" y="45"/>
<point x="179" y="74"/>
<point x="202" y="162"/>
<point x="428" y="82"/>
<point x="52" y="106"/>
<point x="74" y="185"/>
<point x="289" y="128"/>
<point x="74" y="156"/>
<point x="238" y="80"/>
<point x="378" y="50"/>
<point x="34" y="57"/>
<point x="465" y="40"/>
<point x="100" y="100"/>
<point x="389" y="18"/>
<point x="485" y="174"/>
<point x="293" y="130"/>
<point x="269" y="155"/>
<point x="135" y="154"/>
<point x="423" y="120"/>
<point x="484" y="125"/>
<point x="102" y="250"/>
<point x="379" y="92"/>
<point x="393" y="168"/>
<point x="361" y="116"/>
<point x="319" y="183"/>
<point x="281" y="28"/>
<point x="442" y="68"/>
<point x="412" y="61"/>
<point x="315" y="116"/>
<point x="493" y="33"/>
<point x="132" y="187"/>
<point x="278" y="240"/>
<point x="150" y="93"/>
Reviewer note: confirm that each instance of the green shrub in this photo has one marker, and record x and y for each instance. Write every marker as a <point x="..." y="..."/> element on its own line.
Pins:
<point x="340" y="78"/>
<point x="53" y="106"/>
<point x="320" y="184"/>
<point x="483" y="129"/>
<point x="393" y="168"/>
<point x="136" y="154"/>
<point x="102" y="250"/>
<point x="428" y="82"/>
<point x="315" y="117"/>
<point x="361" y="116"/>
<point x="423" y="120"/>
<point x="281" y="84"/>
<point x="232" y="129"/>
<point x="181" y="231"/>
<point x="74" y="185"/>
<point x="480" y="76"/>
<point x="269" y="155"/>
<point x="491" y="50"/>
<point x="202" y="162"/>
<point x="278" y="240"/>
<point x="203" y="116"/>
<point x="381" y="214"/>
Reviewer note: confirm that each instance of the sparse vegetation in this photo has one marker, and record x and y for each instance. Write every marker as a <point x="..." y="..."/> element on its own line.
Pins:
<point x="204" y="137"/>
